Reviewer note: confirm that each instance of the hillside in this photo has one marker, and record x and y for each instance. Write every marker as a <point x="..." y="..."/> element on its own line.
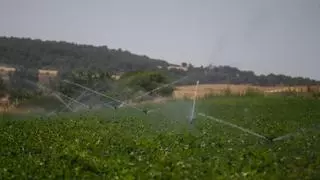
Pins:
<point x="232" y="75"/>
<point x="69" y="57"/>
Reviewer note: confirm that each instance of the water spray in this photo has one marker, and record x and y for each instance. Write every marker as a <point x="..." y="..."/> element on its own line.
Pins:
<point x="57" y="95"/>
<point x="73" y="100"/>
<point x="160" y="87"/>
<point x="99" y="93"/>
<point x="152" y="110"/>
<point x="286" y="136"/>
<point x="62" y="101"/>
<point x="289" y="135"/>
<point x="123" y="103"/>
<point x="235" y="126"/>
<point x="78" y="99"/>
<point x="83" y="94"/>
<point x="61" y="94"/>
<point x="146" y="111"/>
<point x="194" y="103"/>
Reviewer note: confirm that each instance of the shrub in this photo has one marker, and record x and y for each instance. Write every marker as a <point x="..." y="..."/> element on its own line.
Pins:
<point x="252" y="92"/>
<point x="227" y="91"/>
<point x="167" y="91"/>
<point x="149" y="81"/>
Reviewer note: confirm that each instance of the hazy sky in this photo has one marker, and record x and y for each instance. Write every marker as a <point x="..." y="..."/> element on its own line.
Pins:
<point x="280" y="36"/>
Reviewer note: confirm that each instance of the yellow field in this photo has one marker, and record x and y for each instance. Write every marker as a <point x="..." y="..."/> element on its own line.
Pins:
<point x="205" y="89"/>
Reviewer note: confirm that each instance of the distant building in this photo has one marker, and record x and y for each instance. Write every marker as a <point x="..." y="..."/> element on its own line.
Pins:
<point x="178" y="67"/>
<point x="5" y="72"/>
<point x="47" y="76"/>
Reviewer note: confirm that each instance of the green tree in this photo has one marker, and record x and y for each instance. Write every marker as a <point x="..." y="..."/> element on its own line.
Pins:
<point x="3" y="88"/>
<point x="148" y="81"/>
<point x="184" y="64"/>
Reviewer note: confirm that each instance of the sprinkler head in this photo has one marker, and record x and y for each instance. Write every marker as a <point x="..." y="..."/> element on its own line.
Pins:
<point x="193" y="119"/>
<point x="145" y="111"/>
<point x="121" y="105"/>
<point x="270" y="138"/>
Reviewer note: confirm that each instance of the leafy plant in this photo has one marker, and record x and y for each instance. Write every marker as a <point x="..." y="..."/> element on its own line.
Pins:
<point x="127" y="144"/>
<point x="227" y="91"/>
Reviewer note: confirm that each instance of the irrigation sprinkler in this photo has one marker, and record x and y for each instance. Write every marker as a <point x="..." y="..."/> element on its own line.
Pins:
<point x="62" y="101"/>
<point x="52" y="113"/>
<point x="194" y="103"/>
<point x="91" y="90"/>
<point x="82" y="95"/>
<point x="146" y="111"/>
<point x="113" y="106"/>
<point x="153" y="90"/>
<point x="78" y="98"/>
<point x="73" y="100"/>
<point x="123" y="103"/>
<point x="99" y="93"/>
<point x="152" y="110"/>
<point x="61" y="94"/>
<point x="57" y="95"/>
<point x="160" y="87"/>
<point x="235" y="126"/>
<point x="287" y="136"/>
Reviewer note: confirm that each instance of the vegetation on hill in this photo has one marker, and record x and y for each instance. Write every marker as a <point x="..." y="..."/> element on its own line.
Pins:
<point x="90" y="60"/>
<point x="69" y="56"/>
<point x="232" y="75"/>
<point x="148" y="81"/>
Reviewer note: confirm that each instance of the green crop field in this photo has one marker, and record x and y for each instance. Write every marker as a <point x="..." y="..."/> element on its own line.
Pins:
<point x="128" y="144"/>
